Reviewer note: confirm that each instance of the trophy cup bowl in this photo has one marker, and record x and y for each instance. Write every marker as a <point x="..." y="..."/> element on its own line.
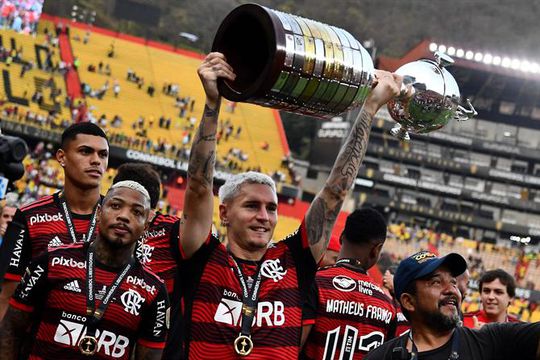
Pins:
<point x="430" y="98"/>
<point x="291" y="63"/>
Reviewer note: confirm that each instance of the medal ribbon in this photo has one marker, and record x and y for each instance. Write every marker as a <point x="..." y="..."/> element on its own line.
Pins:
<point x="69" y="221"/>
<point x="250" y="298"/>
<point x="95" y="315"/>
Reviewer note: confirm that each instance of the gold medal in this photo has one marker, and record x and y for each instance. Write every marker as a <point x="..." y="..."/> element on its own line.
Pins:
<point x="243" y="345"/>
<point x="88" y="345"/>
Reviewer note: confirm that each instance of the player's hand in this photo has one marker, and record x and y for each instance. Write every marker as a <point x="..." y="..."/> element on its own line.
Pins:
<point x="477" y="324"/>
<point x="388" y="281"/>
<point x="386" y="86"/>
<point x="214" y="66"/>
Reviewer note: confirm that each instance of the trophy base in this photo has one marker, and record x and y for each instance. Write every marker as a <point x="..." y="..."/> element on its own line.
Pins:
<point x="400" y="133"/>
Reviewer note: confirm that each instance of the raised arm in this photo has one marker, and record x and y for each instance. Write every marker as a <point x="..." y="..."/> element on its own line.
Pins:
<point x="196" y="219"/>
<point x="325" y="208"/>
<point x="12" y="331"/>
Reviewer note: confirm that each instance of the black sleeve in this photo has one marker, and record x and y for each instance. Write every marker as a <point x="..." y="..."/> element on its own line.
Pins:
<point x="309" y="310"/>
<point x="513" y="340"/>
<point x="155" y="321"/>
<point x="174" y="241"/>
<point x="32" y="289"/>
<point x="16" y="250"/>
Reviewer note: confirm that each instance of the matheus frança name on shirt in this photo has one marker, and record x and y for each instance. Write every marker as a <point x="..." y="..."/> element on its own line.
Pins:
<point x="358" y="309"/>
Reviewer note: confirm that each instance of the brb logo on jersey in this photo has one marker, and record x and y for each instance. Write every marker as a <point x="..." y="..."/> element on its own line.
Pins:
<point x="269" y="313"/>
<point x="272" y="269"/>
<point x="70" y="332"/>
<point x="344" y="283"/>
<point x="41" y="218"/>
<point x="132" y="301"/>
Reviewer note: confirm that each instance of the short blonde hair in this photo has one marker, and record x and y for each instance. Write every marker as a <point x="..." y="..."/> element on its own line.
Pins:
<point x="232" y="185"/>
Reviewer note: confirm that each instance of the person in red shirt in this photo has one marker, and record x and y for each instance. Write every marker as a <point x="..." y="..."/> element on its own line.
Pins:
<point x="67" y="216"/>
<point x="497" y="288"/>
<point x="331" y="255"/>
<point x="92" y="299"/>
<point x="347" y="314"/>
<point x="246" y="299"/>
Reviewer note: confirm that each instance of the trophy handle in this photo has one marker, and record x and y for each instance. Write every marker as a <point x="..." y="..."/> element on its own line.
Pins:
<point x="463" y="114"/>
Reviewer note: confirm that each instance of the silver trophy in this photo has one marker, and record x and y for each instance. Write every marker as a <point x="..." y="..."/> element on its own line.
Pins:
<point x="430" y="98"/>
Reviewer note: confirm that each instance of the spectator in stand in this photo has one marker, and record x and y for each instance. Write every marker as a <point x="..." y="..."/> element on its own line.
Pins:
<point x="497" y="288"/>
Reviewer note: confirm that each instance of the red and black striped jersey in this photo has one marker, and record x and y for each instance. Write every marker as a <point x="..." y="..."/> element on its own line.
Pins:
<point x="159" y="250"/>
<point x="54" y="288"/>
<point x="212" y="299"/>
<point x="36" y="227"/>
<point x="350" y="314"/>
<point x="468" y="318"/>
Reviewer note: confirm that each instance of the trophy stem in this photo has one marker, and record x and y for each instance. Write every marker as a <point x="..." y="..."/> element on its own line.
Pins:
<point x="399" y="132"/>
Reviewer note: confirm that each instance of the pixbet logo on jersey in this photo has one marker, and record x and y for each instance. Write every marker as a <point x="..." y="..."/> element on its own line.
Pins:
<point x="70" y="332"/>
<point x="62" y="261"/>
<point x="41" y="218"/>
<point x="135" y="280"/>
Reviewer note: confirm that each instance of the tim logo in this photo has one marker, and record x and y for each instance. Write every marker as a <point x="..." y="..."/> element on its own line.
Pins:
<point x="268" y="313"/>
<point x="344" y="283"/>
<point x="69" y="333"/>
<point x="272" y="269"/>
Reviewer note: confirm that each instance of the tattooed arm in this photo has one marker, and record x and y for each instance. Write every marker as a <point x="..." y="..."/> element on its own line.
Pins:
<point x="196" y="219"/>
<point x="12" y="331"/>
<point x="325" y="208"/>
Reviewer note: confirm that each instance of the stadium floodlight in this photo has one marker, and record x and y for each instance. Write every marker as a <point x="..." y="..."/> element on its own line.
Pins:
<point x="442" y="48"/>
<point x="488" y="59"/>
<point x="451" y="51"/>
<point x="433" y="47"/>
<point x="516" y="64"/>
<point x="535" y="68"/>
<point x="497" y="60"/>
<point x="460" y="53"/>
<point x="469" y="55"/>
<point x="526" y="66"/>
<point x="506" y="62"/>
<point x="478" y="56"/>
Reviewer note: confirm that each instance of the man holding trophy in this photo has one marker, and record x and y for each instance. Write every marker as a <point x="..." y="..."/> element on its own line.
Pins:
<point x="246" y="300"/>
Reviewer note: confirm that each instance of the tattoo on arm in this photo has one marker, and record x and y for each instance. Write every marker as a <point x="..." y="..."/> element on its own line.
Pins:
<point x="12" y="331"/>
<point x="203" y="154"/>
<point x="325" y="208"/>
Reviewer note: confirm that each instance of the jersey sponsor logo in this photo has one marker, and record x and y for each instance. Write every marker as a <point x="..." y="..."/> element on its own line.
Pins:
<point x="154" y="233"/>
<point x="16" y="257"/>
<point x="62" y="261"/>
<point x="344" y="283"/>
<point x="69" y="333"/>
<point x="41" y="218"/>
<point x="55" y="242"/>
<point x="144" y="253"/>
<point x="132" y="301"/>
<point x="269" y="313"/>
<point x="73" y="286"/>
<point x="135" y="280"/>
<point x="272" y="269"/>
<point x="30" y="280"/>
<point x="161" y="317"/>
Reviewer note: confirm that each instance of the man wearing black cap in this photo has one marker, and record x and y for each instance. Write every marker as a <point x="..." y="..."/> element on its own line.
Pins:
<point x="426" y="287"/>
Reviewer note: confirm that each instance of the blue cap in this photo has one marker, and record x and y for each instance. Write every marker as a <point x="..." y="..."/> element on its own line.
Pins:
<point x="424" y="263"/>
